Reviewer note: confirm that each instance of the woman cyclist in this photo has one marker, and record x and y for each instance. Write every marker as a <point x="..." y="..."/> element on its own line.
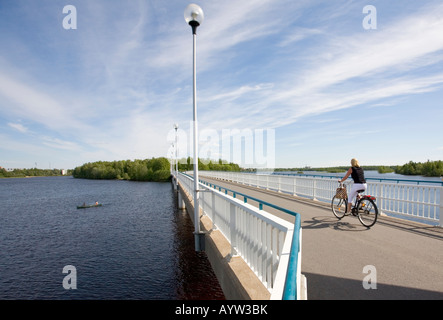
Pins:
<point x="358" y="175"/>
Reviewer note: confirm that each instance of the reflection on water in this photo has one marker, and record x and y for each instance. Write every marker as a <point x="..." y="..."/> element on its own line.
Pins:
<point x="137" y="246"/>
<point x="194" y="276"/>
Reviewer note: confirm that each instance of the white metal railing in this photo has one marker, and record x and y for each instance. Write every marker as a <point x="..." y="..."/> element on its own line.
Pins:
<point x="420" y="202"/>
<point x="263" y="240"/>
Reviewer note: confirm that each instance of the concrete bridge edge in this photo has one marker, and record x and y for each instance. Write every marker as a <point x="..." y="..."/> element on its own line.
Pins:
<point x="236" y="278"/>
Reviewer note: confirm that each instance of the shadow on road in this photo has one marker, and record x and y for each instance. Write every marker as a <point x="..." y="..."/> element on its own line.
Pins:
<point x="433" y="232"/>
<point x="321" y="287"/>
<point x="345" y="224"/>
<point x="350" y="223"/>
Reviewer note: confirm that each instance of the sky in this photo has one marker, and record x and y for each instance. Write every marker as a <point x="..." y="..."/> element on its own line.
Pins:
<point x="280" y="83"/>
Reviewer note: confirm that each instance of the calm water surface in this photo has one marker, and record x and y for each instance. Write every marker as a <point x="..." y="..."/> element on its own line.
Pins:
<point x="137" y="246"/>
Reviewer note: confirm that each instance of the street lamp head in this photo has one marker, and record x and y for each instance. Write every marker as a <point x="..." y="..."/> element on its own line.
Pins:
<point x="175" y="126"/>
<point x="194" y="16"/>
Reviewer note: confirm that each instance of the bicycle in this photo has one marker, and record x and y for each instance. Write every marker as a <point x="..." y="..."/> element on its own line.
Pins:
<point x="364" y="208"/>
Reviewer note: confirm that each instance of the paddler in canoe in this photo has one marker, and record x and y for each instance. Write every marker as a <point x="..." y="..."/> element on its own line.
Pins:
<point x="84" y="206"/>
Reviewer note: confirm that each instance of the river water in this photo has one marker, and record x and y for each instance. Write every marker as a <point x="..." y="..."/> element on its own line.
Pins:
<point x="136" y="246"/>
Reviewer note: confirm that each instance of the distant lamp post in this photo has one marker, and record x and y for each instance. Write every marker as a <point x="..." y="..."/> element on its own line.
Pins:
<point x="172" y="157"/>
<point x="176" y="151"/>
<point x="175" y="182"/>
<point x="194" y="17"/>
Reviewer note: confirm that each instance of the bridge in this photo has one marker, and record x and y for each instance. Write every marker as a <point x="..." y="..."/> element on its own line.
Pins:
<point x="341" y="259"/>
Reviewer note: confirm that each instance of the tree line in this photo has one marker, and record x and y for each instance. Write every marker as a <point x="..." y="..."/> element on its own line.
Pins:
<point x="207" y="165"/>
<point x="339" y="169"/>
<point x="33" y="172"/>
<point x="155" y="169"/>
<point x="427" y="169"/>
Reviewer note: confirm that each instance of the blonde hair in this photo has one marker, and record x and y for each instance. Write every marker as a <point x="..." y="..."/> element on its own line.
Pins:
<point x="354" y="163"/>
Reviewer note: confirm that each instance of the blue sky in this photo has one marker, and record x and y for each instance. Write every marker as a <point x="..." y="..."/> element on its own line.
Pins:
<point x="324" y="88"/>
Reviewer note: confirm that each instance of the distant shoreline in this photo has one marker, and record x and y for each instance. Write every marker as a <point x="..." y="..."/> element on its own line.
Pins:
<point x="24" y="177"/>
<point x="33" y="172"/>
<point x="425" y="169"/>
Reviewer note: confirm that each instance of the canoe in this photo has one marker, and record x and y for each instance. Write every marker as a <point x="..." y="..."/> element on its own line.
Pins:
<point x="89" y="206"/>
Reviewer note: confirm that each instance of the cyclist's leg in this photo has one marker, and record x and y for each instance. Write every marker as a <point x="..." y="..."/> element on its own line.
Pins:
<point x="351" y="196"/>
<point x="353" y="193"/>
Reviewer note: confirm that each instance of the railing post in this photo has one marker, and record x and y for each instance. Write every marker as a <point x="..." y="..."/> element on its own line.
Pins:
<point x="440" y="211"/>
<point x="314" y="187"/>
<point x="213" y="213"/>
<point x="379" y="198"/>
<point x="232" y="230"/>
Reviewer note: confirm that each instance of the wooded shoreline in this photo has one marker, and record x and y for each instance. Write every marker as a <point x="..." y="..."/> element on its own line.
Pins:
<point x="426" y="169"/>
<point x="158" y="169"/>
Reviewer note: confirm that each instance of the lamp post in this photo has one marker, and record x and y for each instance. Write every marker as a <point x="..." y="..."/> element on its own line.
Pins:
<point x="175" y="182"/>
<point x="176" y="151"/>
<point x="194" y="17"/>
<point x="172" y="156"/>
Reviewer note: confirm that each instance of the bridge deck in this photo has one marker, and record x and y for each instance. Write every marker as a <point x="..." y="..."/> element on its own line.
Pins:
<point x="407" y="256"/>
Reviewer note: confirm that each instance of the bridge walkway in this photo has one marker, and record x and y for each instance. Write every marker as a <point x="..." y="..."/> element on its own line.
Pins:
<point x="405" y="258"/>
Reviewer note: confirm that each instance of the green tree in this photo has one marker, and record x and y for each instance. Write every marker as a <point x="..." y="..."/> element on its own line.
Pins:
<point x="155" y="169"/>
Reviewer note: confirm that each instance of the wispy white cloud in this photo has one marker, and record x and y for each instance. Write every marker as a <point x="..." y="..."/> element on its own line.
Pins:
<point x="25" y="100"/>
<point x="60" y="144"/>
<point x="299" y="34"/>
<point x="19" y="127"/>
<point x="359" y="68"/>
<point x="237" y="93"/>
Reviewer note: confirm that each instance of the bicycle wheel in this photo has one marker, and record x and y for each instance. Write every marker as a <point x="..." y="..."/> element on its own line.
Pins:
<point x="367" y="212"/>
<point x="339" y="207"/>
